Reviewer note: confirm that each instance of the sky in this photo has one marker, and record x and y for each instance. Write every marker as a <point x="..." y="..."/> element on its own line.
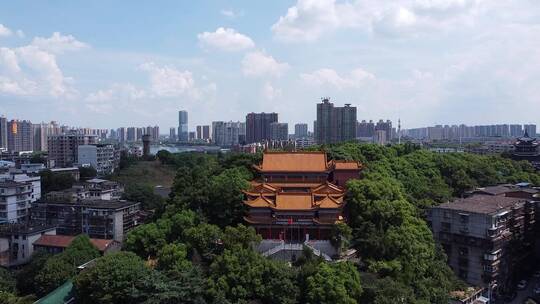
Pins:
<point x="108" y="64"/>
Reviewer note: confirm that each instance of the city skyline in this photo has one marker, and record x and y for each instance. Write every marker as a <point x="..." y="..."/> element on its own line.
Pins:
<point x="426" y="62"/>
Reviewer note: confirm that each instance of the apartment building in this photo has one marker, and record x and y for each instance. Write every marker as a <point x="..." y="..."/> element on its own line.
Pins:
<point x="101" y="219"/>
<point x="487" y="236"/>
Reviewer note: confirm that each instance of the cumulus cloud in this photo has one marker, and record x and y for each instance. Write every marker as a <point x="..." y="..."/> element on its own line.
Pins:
<point x="33" y="69"/>
<point x="4" y="31"/>
<point x="269" y="92"/>
<point x="119" y="94"/>
<point x="308" y="20"/>
<point x="226" y="39"/>
<point x="58" y="43"/>
<point x="327" y="76"/>
<point x="167" y="81"/>
<point x="259" y="64"/>
<point x="231" y="14"/>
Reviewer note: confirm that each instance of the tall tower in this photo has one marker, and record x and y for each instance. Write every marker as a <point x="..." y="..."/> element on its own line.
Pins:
<point x="146" y="144"/>
<point x="183" y="131"/>
<point x="399" y="130"/>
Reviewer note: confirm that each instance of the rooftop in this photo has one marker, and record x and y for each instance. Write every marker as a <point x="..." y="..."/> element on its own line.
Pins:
<point x="294" y="162"/>
<point x="63" y="241"/>
<point x="484" y="204"/>
<point x="24" y="228"/>
<point x="90" y="203"/>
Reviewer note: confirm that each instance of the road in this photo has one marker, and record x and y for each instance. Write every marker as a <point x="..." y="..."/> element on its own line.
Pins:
<point x="527" y="292"/>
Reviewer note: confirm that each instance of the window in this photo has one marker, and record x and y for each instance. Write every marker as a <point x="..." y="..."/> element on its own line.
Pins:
<point x="446" y="226"/>
<point x="463" y="251"/>
<point x="464" y="218"/>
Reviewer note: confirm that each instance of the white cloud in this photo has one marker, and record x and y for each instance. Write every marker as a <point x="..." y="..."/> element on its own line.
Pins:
<point x="118" y="95"/>
<point x="308" y="20"/>
<point x="231" y="14"/>
<point x="327" y="76"/>
<point x="169" y="82"/>
<point x="259" y="64"/>
<point x="20" y="34"/>
<point x="59" y="43"/>
<point x="271" y="93"/>
<point x="226" y="39"/>
<point x="4" y="31"/>
<point x="32" y="70"/>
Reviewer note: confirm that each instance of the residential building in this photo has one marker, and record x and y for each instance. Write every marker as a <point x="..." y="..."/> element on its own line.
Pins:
<point x="380" y="137"/>
<point x="3" y="133"/>
<point x="366" y="129"/>
<point x="54" y="244"/>
<point x="192" y="136"/>
<point x="20" y="136"/>
<point x="279" y="131"/>
<point x="300" y="130"/>
<point x="487" y="236"/>
<point x="131" y="135"/>
<point x="64" y="148"/>
<point x="40" y="132"/>
<point x="183" y="130"/>
<point x="102" y="219"/>
<point x="530" y="129"/>
<point x="172" y="134"/>
<point x="101" y="157"/>
<point x="16" y="242"/>
<point x="304" y="142"/>
<point x="258" y="126"/>
<point x="226" y="134"/>
<point x="17" y="192"/>
<point x="335" y="124"/>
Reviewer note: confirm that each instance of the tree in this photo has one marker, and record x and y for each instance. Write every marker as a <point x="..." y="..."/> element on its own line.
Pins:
<point x="225" y="206"/>
<point x="55" y="181"/>
<point x="341" y="236"/>
<point x="206" y="239"/>
<point x="115" y="278"/>
<point x="87" y="172"/>
<point x="63" y="266"/>
<point x="7" y="281"/>
<point x="26" y="277"/>
<point x="240" y="235"/>
<point x="10" y="298"/>
<point x="173" y="256"/>
<point x="242" y="275"/>
<point x="337" y="283"/>
<point x="146" y="240"/>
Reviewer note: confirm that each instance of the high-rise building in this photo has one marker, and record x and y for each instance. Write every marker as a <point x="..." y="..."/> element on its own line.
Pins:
<point x="20" y="136"/>
<point x="258" y="126"/>
<point x="300" y="130"/>
<point x="365" y="129"/>
<point x="199" y="132"/>
<point x="183" y="131"/>
<point x="206" y="132"/>
<point x="530" y="129"/>
<point x="226" y="133"/>
<point x="17" y="192"/>
<point x="40" y="132"/>
<point x="131" y="134"/>
<point x="516" y="130"/>
<point x="122" y="134"/>
<point x="3" y="133"/>
<point x="279" y="131"/>
<point x="172" y="134"/>
<point x="335" y="124"/>
<point x="64" y="148"/>
<point x="386" y="126"/>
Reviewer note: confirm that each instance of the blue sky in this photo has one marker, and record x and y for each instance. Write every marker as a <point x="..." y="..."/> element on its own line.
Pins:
<point x="108" y="64"/>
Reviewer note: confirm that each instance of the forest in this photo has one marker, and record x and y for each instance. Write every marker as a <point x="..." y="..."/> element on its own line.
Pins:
<point x="196" y="249"/>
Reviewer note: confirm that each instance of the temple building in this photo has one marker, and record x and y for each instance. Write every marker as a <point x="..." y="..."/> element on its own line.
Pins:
<point x="527" y="148"/>
<point x="299" y="196"/>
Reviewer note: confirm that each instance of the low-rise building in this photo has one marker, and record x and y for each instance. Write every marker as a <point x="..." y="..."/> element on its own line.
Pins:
<point x="100" y="219"/>
<point x="16" y="242"/>
<point x="74" y="171"/>
<point x="17" y="192"/>
<point x="54" y="244"/>
<point x="101" y="157"/>
<point x="487" y="236"/>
